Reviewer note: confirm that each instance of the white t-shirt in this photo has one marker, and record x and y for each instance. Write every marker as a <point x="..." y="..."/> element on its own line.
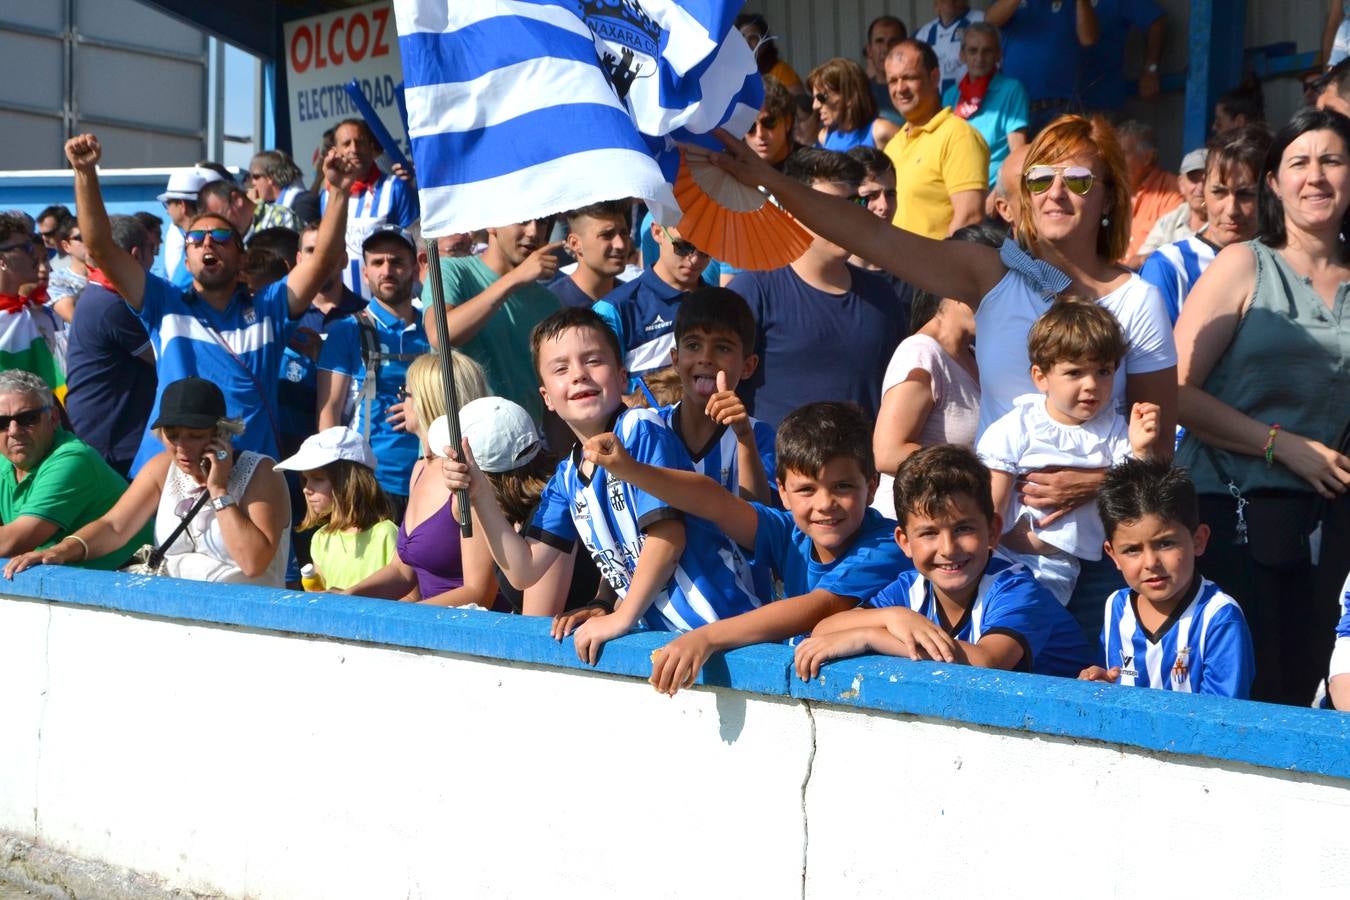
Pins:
<point x="946" y="43"/>
<point x="956" y="402"/>
<point x="1026" y="439"/>
<point x="1005" y="318"/>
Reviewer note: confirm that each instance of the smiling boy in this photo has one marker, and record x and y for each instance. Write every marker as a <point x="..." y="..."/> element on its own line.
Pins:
<point x="962" y="603"/>
<point x="830" y="549"/>
<point x="1171" y="629"/>
<point x="671" y="572"/>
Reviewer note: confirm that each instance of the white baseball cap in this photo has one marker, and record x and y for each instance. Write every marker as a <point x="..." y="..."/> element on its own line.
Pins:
<point x="329" y="446"/>
<point x="185" y="183"/>
<point x="501" y="434"/>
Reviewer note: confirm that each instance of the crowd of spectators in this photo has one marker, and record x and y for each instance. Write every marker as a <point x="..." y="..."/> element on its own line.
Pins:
<point x="945" y="431"/>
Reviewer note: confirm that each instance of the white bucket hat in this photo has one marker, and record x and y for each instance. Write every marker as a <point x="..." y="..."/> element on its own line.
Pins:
<point x="185" y="183"/>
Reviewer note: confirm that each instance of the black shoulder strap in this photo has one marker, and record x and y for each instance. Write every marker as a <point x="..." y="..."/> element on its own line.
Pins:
<point x="157" y="555"/>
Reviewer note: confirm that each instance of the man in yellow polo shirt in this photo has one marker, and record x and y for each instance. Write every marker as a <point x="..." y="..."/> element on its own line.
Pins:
<point x="941" y="162"/>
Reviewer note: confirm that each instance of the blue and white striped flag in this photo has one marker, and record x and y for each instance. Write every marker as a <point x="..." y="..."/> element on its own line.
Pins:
<point x="519" y="109"/>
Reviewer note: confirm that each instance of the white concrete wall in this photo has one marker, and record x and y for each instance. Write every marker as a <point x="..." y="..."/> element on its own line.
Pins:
<point x="268" y="765"/>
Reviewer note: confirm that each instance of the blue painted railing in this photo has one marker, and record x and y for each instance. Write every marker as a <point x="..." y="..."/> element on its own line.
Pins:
<point x="1286" y="738"/>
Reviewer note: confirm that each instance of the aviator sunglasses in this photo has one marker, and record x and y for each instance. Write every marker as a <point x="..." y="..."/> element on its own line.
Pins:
<point x="1076" y="178"/>
<point x="26" y="419"/>
<point x="218" y="235"/>
<point x="680" y="246"/>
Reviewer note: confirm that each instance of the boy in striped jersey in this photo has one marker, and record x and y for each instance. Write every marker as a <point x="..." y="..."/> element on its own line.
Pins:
<point x="828" y="545"/>
<point x="671" y="572"/>
<point x="962" y="602"/>
<point x="1171" y="629"/>
<point x="714" y="350"/>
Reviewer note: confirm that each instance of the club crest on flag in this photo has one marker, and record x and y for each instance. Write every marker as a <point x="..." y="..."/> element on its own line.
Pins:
<point x="627" y="41"/>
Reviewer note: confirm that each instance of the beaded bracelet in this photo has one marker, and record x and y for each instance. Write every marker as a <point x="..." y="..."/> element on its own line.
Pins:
<point x="1270" y="445"/>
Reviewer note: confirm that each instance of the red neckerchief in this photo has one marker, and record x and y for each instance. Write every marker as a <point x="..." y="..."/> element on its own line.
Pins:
<point x="972" y="94"/>
<point x="12" y="303"/>
<point x="366" y="182"/>
<point x="96" y="276"/>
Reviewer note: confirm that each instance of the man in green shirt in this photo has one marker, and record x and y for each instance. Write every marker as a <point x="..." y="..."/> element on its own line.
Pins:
<point x="494" y="301"/>
<point x="51" y="482"/>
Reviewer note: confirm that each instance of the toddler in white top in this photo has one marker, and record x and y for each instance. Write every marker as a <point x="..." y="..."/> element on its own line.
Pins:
<point x="1074" y="349"/>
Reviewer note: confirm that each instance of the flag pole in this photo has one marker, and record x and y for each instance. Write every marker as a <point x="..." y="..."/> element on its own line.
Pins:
<point x="447" y="377"/>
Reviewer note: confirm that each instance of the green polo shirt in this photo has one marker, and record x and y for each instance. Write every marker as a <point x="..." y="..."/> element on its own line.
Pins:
<point x="72" y="487"/>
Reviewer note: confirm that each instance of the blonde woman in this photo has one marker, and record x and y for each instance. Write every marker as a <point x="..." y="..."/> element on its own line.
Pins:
<point x="432" y="565"/>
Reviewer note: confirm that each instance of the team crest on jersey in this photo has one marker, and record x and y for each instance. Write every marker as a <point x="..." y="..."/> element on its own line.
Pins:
<point x="616" y="498"/>
<point x="250" y="315"/>
<point x="295" y="372"/>
<point x="1181" y="669"/>
<point x="626" y="39"/>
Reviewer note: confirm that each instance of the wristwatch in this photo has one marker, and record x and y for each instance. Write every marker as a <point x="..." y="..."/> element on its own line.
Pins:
<point x="224" y="500"/>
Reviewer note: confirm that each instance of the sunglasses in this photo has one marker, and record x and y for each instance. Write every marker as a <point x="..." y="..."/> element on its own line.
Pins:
<point x="218" y="235"/>
<point x="1076" y="178"/>
<point x="26" y="419"/>
<point x="821" y="97"/>
<point x="766" y="123"/>
<point x="680" y="247"/>
<point x="403" y="393"/>
<point x="28" y="246"/>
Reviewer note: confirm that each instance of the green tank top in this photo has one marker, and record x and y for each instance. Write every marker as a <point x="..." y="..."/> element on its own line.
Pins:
<point x="1289" y="362"/>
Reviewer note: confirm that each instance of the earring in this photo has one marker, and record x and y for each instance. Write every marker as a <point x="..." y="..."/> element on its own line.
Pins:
<point x="1106" y="220"/>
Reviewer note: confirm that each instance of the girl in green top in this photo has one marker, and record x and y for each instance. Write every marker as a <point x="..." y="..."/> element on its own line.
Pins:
<point x="356" y="533"/>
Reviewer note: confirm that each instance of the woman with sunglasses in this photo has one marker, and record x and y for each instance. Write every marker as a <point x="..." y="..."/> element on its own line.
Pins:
<point x="842" y="99"/>
<point x="1075" y="225"/>
<point x="432" y="565"/>
<point x="1264" y="361"/>
<point x="237" y="510"/>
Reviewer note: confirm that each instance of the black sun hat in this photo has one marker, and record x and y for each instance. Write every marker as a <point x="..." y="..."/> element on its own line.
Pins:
<point x="190" y="403"/>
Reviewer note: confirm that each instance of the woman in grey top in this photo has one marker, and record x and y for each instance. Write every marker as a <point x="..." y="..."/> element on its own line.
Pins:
<point x="1263" y="346"/>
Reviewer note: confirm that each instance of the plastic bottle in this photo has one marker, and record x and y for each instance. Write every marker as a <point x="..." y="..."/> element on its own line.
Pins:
<point x="310" y="579"/>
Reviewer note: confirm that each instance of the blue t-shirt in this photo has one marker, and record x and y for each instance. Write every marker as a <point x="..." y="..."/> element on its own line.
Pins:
<point x="717" y="459"/>
<point x="644" y="310"/>
<point x="1175" y="268"/>
<point x="1038" y="32"/>
<point x="568" y="294"/>
<point x="712" y="579"/>
<point x="813" y="345"/>
<point x="297" y="392"/>
<point x="1101" y="69"/>
<point x="871" y="561"/>
<point x="239" y="348"/>
<point x="400" y="343"/>
<point x="1204" y="647"/>
<point x="844" y="141"/>
<point x="1008" y="601"/>
<point x="1004" y="109"/>
<point x="110" y="388"/>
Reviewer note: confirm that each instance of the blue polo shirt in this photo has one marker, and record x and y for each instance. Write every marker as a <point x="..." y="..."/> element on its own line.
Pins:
<point x="568" y="294"/>
<point x="1101" y="72"/>
<point x="871" y="560"/>
<point x="642" y="313"/>
<point x="297" y="392"/>
<point x="239" y="348"/>
<point x="400" y="344"/>
<point x="1039" y="31"/>
<point x="1005" y="108"/>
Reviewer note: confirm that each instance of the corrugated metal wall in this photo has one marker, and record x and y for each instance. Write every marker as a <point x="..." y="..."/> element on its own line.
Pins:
<point x="812" y="31"/>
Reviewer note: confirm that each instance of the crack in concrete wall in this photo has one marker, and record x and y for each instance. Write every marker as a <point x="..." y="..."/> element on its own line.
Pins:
<point x="806" y="783"/>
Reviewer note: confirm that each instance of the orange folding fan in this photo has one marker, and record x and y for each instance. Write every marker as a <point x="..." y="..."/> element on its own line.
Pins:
<point x="731" y="222"/>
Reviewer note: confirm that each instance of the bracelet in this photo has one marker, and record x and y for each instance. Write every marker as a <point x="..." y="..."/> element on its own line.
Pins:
<point x="79" y="540"/>
<point x="1270" y="445"/>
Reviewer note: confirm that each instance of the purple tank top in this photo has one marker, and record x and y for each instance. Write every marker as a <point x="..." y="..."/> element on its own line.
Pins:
<point x="432" y="550"/>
